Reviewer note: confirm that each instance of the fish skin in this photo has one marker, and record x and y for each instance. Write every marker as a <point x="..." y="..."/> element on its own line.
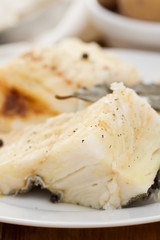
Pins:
<point x="100" y="157"/>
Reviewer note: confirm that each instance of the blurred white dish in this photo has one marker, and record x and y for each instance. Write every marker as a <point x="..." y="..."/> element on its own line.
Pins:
<point x="59" y="19"/>
<point x="17" y="11"/>
<point x="120" y="31"/>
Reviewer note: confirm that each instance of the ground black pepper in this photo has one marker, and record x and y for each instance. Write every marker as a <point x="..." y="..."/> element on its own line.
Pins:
<point x="85" y="56"/>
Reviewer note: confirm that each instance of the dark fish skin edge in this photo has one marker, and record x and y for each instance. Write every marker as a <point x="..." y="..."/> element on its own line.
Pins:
<point x="145" y="196"/>
<point x="37" y="181"/>
<point x="56" y="196"/>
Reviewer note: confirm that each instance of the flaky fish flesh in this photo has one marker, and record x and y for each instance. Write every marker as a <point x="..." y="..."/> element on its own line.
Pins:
<point x="101" y="157"/>
<point x="29" y="83"/>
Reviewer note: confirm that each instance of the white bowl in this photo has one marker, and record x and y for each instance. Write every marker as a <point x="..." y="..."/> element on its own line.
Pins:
<point x="60" y="19"/>
<point x="121" y="31"/>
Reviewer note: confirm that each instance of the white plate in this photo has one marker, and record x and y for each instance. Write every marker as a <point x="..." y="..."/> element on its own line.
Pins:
<point x="35" y="209"/>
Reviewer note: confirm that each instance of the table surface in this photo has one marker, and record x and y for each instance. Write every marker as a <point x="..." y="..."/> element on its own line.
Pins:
<point x="139" y="232"/>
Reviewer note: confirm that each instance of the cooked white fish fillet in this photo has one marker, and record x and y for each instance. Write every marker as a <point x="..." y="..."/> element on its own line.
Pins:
<point x="29" y="83"/>
<point x="103" y="156"/>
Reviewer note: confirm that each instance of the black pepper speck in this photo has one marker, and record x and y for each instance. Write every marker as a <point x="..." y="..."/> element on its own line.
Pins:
<point x="85" y="56"/>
